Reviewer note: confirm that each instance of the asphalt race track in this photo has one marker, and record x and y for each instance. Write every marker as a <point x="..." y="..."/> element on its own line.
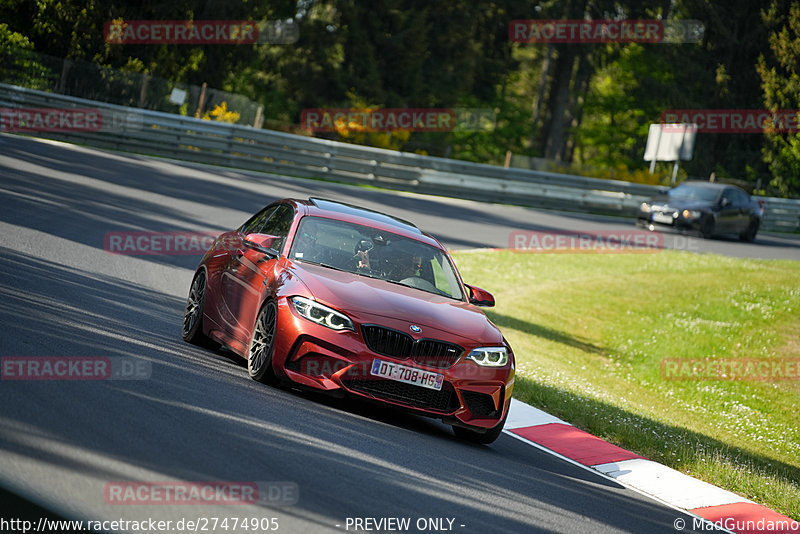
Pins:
<point x="198" y="417"/>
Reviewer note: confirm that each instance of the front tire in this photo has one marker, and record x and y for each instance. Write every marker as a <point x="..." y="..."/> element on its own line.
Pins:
<point x="192" y="330"/>
<point x="262" y="345"/>
<point x="482" y="438"/>
<point x="708" y="226"/>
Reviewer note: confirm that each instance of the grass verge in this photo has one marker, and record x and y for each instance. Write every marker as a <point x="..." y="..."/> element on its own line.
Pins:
<point x="590" y="333"/>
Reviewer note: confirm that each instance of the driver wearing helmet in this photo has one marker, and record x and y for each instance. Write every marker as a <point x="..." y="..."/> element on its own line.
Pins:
<point x="409" y="266"/>
<point x="404" y="264"/>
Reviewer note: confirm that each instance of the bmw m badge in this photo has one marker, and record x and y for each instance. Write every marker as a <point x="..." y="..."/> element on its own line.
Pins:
<point x="414" y="328"/>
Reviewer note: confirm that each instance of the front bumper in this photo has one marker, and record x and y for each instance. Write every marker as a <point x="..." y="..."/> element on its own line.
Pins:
<point x="340" y="361"/>
<point x="678" y="222"/>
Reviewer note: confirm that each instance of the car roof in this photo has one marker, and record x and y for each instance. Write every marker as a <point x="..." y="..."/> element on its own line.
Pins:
<point x="351" y="209"/>
<point x="709" y="185"/>
<point x="332" y="209"/>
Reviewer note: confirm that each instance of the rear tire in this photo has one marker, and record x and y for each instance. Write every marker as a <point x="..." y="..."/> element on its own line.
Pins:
<point x="482" y="438"/>
<point x="262" y="345"/>
<point x="749" y="235"/>
<point x="192" y="330"/>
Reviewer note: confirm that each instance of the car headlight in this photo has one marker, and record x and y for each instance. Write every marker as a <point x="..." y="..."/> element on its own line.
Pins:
<point x="489" y="356"/>
<point x="320" y="314"/>
<point x="645" y="207"/>
<point x="690" y="214"/>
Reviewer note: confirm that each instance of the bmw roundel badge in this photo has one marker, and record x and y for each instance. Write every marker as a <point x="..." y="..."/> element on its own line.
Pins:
<point x="414" y="328"/>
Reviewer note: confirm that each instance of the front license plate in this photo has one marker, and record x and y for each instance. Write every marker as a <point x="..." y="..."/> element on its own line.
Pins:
<point x="663" y="218"/>
<point x="409" y="375"/>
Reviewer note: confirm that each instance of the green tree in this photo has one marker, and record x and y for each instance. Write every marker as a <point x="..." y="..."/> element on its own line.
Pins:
<point x="780" y="75"/>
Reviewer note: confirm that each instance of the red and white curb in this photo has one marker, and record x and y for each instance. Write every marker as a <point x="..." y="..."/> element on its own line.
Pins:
<point x="721" y="507"/>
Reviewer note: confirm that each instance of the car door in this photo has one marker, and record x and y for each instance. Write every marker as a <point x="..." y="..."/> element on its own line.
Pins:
<point x="728" y="211"/>
<point x="220" y="277"/>
<point x="246" y="276"/>
<point x="742" y="203"/>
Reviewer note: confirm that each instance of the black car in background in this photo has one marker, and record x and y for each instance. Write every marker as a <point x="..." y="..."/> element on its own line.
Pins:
<point x="706" y="207"/>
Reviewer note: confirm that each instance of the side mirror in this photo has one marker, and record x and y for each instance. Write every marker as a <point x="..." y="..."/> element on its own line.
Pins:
<point x="724" y="202"/>
<point x="262" y="243"/>
<point x="480" y="297"/>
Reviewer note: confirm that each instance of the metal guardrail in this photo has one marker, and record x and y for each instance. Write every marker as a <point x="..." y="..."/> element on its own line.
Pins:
<point x="85" y="79"/>
<point x="244" y="147"/>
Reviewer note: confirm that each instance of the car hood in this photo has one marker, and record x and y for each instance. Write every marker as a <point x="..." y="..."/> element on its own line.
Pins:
<point x="681" y="204"/>
<point x="364" y="296"/>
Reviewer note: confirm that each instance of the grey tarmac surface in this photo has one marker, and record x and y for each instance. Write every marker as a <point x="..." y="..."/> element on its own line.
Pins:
<point x="198" y="417"/>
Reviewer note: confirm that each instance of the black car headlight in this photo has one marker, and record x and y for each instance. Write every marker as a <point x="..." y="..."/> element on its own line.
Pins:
<point x="690" y="214"/>
<point x="489" y="356"/>
<point x="321" y="314"/>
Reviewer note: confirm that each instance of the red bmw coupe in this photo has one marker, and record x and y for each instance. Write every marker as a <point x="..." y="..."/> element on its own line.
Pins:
<point x="343" y="299"/>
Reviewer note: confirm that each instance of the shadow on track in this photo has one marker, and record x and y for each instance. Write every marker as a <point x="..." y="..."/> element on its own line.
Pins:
<point x="199" y="417"/>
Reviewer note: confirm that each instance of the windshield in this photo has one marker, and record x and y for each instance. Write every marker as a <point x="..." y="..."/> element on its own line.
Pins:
<point x="691" y="192"/>
<point x="367" y="251"/>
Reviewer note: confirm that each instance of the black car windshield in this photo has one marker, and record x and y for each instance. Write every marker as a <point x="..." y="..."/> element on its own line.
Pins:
<point x="693" y="192"/>
<point x="367" y="251"/>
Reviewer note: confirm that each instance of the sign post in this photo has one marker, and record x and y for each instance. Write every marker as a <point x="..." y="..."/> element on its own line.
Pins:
<point x="670" y="142"/>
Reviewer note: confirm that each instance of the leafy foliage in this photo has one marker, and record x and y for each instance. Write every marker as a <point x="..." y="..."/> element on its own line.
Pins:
<point x="586" y="105"/>
<point x="781" y="82"/>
